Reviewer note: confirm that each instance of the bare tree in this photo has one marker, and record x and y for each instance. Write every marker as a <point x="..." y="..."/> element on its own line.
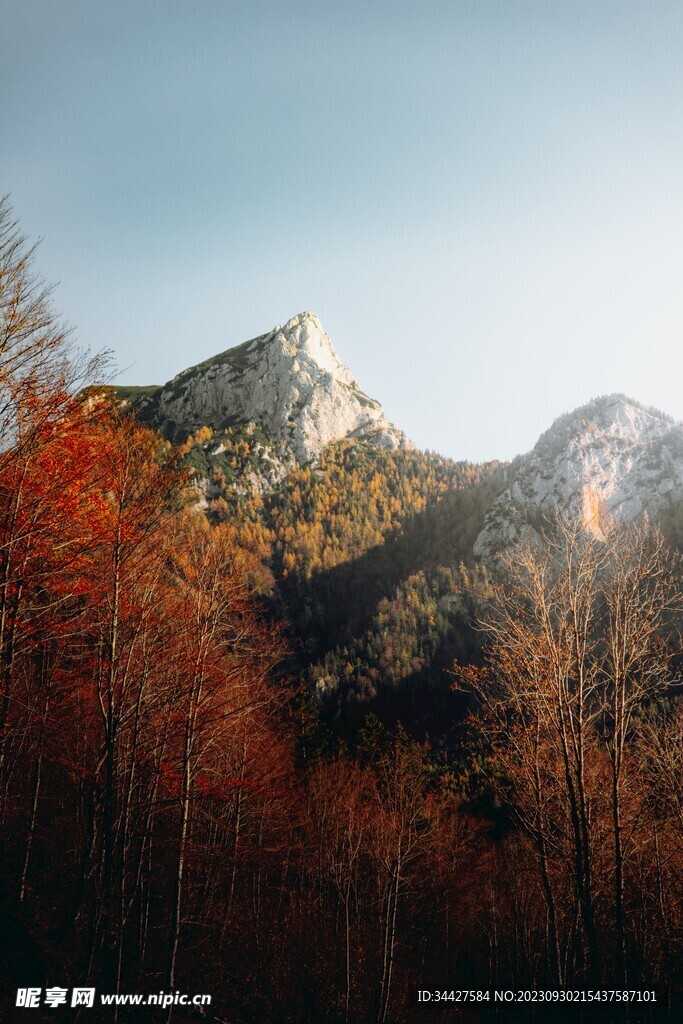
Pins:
<point x="577" y="647"/>
<point x="641" y="592"/>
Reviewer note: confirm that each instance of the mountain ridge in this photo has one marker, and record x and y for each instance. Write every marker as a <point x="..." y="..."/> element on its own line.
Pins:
<point x="285" y="395"/>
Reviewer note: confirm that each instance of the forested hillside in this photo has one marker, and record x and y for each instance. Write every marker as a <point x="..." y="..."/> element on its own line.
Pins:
<point x="369" y="553"/>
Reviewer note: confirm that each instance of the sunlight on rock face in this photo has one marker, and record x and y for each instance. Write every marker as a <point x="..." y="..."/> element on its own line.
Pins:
<point x="290" y="381"/>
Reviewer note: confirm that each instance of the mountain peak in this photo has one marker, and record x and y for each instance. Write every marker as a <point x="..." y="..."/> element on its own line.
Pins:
<point x="290" y="381"/>
<point x="609" y="416"/>
<point x="614" y="455"/>
<point x="305" y="333"/>
<point x="307" y="317"/>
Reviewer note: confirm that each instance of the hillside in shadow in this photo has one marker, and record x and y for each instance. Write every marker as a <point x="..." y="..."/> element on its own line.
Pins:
<point x="335" y="605"/>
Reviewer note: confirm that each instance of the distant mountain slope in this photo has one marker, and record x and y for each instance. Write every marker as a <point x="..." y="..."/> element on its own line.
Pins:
<point x="372" y="546"/>
<point x="289" y="382"/>
<point x="611" y="457"/>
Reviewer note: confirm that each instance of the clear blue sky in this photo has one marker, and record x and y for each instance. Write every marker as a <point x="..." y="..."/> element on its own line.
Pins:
<point x="483" y="201"/>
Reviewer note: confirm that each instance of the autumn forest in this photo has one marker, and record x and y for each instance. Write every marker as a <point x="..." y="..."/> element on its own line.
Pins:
<point x="300" y="750"/>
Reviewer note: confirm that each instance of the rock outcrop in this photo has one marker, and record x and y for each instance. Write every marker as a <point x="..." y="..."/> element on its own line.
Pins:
<point x="290" y="382"/>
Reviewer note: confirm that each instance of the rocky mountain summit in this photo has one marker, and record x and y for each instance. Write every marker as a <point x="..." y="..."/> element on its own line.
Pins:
<point x="290" y="383"/>
<point x="275" y="402"/>
<point x="611" y="457"/>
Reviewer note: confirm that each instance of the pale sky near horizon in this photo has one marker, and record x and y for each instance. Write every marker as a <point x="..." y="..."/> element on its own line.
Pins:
<point x="482" y="200"/>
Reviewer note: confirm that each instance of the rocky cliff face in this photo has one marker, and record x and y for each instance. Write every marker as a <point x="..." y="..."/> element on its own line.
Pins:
<point x="290" y="382"/>
<point x="612" y="457"/>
